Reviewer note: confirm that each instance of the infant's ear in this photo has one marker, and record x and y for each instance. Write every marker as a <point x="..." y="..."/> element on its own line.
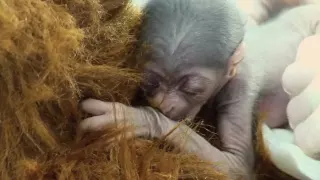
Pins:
<point x="235" y="59"/>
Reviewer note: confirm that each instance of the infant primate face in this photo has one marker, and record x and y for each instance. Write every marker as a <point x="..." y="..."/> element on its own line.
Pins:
<point x="180" y="93"/>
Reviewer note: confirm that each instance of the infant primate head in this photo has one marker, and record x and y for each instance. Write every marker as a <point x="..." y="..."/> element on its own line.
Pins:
<point x="190" y="53"/>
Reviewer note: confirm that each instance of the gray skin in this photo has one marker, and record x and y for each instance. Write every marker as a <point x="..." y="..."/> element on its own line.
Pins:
<point x="191" y="43"/>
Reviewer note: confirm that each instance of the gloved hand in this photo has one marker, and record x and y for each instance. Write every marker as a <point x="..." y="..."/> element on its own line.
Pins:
<point x="296" y="150"/>
<point x="302" y="82"/>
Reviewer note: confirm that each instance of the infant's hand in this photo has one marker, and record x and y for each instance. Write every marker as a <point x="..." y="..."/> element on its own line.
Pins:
<point x="146" y="120"/>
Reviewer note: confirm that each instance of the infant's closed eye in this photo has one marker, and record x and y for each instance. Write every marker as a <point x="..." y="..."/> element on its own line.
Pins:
<point x="192" y="86"/>
<point x="193" y="91"/>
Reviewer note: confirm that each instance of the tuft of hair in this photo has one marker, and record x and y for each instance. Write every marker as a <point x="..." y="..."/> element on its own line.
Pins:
<point x="185" y="31"/>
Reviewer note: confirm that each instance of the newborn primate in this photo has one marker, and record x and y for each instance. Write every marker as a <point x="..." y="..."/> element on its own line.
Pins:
<point x="192" y="50"/>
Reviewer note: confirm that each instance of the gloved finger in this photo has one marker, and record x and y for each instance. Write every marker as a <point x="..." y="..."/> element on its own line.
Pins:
<point x="301" y="106"/>
<point x="299" y="74"/>
<point x="296" y="78"/>
<point x="308" y="52"/>
<point x="298" y="109"/>
<point x="97" y="107"/>
<point x="307" y="135"/>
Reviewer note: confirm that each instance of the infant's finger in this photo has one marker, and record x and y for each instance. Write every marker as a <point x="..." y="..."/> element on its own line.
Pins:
<point x="96" y="123"/>
<point x="96" y="107"/>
